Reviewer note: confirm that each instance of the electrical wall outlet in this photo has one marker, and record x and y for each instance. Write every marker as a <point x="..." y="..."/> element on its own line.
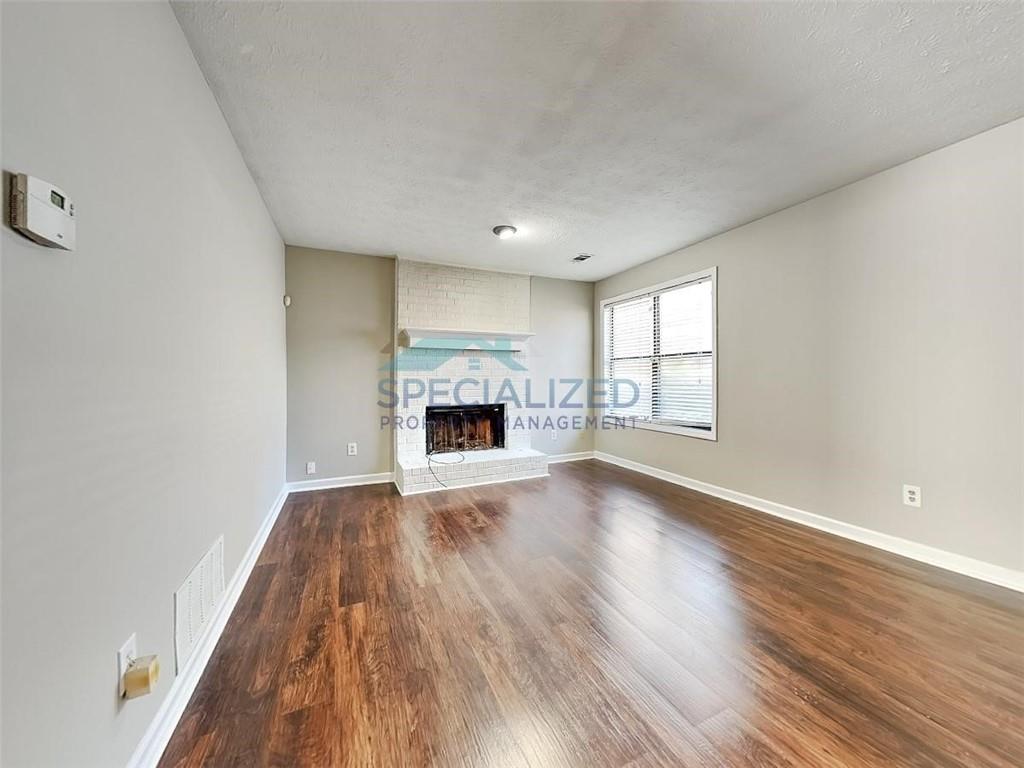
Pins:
<point x="353" y="449"/>
<point x="554" y="435"/>
<point x="912" y="495"/>
<point x="127" y="653"/>
<point x="310" y="467"/>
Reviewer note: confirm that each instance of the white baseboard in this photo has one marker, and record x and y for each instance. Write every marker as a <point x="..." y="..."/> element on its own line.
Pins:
<point x="149" y="750"/>
<point x="339" y="482"/>
<point x="558" y="458"/>
<point x="470" y="485"/>
<point x="967" y="566"/>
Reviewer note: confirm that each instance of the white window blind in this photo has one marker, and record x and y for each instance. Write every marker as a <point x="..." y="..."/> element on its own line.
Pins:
<point x="663" y="342"/>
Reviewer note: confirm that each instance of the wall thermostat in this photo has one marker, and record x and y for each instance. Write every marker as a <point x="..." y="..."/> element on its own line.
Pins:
<point x="42" y="212"/>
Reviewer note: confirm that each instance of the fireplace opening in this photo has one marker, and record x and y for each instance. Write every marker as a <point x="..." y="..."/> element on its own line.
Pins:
<point x="453" y="428"/>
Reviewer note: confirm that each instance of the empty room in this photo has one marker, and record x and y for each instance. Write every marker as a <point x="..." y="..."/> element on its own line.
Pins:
<point x="512" y="384"/>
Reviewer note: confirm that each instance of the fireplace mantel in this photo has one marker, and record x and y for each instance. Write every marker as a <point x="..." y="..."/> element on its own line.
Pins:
<point x="450" y="338"/>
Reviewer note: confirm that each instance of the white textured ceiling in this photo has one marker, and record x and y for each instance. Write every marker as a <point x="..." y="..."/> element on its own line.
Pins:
<point x="619" y="129"/>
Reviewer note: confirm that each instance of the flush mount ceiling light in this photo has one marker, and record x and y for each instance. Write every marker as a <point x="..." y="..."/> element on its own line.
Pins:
<point x="504" y="231"/>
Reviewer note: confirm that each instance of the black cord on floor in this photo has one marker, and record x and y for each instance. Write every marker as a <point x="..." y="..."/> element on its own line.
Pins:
<point x="431" y="461"/>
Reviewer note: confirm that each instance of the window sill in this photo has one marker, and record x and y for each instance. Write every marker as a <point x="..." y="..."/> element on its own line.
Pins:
<point x="672" y="429"/>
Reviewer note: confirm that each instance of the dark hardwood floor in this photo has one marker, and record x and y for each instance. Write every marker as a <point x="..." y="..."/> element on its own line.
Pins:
<point x="598" y="618"/>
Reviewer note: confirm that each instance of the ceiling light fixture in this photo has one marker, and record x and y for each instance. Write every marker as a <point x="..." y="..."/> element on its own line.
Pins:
<point x="504" y="231"/>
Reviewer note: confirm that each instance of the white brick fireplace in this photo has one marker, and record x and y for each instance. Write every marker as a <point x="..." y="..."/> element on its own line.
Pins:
<point x="471" y="329"/>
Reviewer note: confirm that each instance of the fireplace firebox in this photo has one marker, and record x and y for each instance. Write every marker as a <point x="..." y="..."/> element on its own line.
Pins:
<point x="453" y="428"/>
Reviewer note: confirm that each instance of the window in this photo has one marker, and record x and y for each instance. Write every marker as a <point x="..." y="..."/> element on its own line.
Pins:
<point x="659" y="355"/>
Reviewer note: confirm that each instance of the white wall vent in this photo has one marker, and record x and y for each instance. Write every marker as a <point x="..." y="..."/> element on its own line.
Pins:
<point x="196" y="600"/>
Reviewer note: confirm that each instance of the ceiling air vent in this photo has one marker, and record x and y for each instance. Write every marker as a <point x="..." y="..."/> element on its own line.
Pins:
<point x="582" y="257"/>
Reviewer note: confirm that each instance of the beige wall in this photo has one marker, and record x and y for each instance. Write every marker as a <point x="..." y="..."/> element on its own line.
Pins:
<point x="143" y="374"/>
<point x="340" y="330"/>
<point x="871" y="337"/>
<point x="561" y="316"/>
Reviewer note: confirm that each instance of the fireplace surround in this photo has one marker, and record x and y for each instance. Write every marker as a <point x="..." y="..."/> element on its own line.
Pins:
<point x="467" y="331"/>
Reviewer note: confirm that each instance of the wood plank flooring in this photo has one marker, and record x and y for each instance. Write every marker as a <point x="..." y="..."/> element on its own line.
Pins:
<point x="598" y="618"/>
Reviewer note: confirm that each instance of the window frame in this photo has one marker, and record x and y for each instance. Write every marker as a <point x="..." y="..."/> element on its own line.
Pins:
<point x="711" y="274"/>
